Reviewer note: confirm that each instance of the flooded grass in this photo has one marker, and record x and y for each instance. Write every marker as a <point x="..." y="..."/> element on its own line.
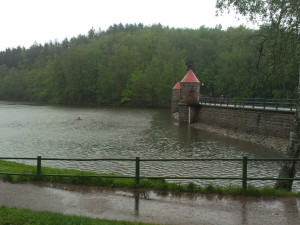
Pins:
<point x="95" y="179"/>
<point x="24" y="216"/>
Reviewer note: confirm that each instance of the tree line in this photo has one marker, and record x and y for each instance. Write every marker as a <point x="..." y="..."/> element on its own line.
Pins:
<point x="138" y="65"/>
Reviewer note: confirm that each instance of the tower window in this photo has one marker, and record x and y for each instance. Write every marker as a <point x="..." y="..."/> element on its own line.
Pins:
<point x="191" y="96"/>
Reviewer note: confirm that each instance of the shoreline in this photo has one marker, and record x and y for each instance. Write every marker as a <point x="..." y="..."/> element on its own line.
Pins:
<point x="274" y="143"/>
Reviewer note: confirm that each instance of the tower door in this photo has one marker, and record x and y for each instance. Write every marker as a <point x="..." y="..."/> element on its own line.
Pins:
<point x="191" y="96"/>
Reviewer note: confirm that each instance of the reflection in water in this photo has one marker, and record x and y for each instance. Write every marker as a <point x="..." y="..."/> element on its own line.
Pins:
<point x="291" y="211"/>
<point x="136" y="203"/>
<point x="245" y="210"/>
<point x="138" y="194"/>
<point x="48" y="131"/>
<point x="244" y="213"/>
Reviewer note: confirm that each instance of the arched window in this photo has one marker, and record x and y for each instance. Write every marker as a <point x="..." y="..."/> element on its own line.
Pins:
<point x="191" y="96"/>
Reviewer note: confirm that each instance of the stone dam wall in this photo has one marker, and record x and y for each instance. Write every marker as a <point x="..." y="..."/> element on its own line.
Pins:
<point x="248" y="120"/>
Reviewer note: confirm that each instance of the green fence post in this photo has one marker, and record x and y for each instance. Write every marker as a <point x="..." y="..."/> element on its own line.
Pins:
<point x="137" y="171"/>
<point x="39" y="166"/>
<point x="244" y="179"/>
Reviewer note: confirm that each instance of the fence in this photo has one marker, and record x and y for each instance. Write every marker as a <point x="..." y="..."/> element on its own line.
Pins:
<point x="244" y="176"/>
<point x="258" y="103"/>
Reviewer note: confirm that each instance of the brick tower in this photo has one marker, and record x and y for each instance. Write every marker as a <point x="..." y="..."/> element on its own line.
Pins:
<point x="190" y="88"/>
<point x="189" y="98"/>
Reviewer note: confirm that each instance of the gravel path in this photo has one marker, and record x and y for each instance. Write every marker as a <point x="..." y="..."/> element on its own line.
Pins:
<point x="149" y="206"/>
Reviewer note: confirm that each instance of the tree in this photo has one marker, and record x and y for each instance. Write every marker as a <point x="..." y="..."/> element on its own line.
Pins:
<point x="56" y="82"/>
<point x="112" y="67"/>
<point x="138" y="90"/>
<point x="288" y="169"/>
<point x="281" y="19"/>
<point x="283" y="13"/>
<point x="12" y="86"/>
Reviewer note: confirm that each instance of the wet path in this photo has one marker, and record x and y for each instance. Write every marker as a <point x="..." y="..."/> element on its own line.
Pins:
<point x="149" y="206"/>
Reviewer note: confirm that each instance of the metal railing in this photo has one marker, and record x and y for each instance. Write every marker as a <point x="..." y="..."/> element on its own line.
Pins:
<point x="257" y="103"/>
<point x="244" y="176"/>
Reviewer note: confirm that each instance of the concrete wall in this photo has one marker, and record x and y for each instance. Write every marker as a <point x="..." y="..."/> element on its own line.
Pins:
<point x="187" y="113"/>
<point x="267" y="123"/>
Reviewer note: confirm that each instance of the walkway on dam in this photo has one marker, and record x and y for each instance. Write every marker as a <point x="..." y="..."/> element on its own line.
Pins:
<point x="256" y="107"/>
<point x="147" y="206"/>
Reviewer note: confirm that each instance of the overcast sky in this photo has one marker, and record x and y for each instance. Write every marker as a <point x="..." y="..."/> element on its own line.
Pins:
<point x="24" y="22"/>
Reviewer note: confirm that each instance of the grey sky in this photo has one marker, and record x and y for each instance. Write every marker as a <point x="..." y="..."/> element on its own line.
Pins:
<point x="24" y="22"/>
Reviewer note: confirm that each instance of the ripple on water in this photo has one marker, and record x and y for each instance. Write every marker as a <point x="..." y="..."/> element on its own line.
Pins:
<point x="29" y="131"/>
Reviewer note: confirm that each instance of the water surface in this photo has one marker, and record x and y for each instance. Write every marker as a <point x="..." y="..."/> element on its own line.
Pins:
<point x="52" y="131"/>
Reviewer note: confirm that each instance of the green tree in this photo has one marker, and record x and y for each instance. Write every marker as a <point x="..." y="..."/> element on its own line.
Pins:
<point x="56" y="81"/>
<point x="110" y="67"/>
<point x="138" y="90"/>
<point x="12" y="85"/>
<point x="281" y="19"/>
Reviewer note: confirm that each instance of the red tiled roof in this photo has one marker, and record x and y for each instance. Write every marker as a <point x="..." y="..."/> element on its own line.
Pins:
<point x="190" y="77"/>
<point x="177" y="86"/>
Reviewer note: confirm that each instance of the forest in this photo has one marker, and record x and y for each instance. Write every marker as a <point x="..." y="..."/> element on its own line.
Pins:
<point x="138" y="65"/>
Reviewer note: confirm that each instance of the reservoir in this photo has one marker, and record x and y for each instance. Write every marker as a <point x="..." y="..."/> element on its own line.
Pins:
<point x="29" y="130"/>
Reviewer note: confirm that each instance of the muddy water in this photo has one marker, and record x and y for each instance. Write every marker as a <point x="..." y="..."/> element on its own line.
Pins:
<point x="49" y="131"/>
<point x="147" y="206"/>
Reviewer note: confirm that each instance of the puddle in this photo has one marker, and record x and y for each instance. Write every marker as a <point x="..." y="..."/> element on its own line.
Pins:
<point x="148" y="206"/>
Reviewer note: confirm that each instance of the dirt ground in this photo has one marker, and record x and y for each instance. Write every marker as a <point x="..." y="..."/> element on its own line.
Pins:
<point x="147" y="206"/>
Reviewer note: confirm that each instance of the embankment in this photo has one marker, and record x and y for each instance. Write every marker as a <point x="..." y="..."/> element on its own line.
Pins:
<point x="218" y="122"/>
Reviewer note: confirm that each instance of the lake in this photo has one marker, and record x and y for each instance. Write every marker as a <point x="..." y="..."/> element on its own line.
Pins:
<point x="29" y="130"/>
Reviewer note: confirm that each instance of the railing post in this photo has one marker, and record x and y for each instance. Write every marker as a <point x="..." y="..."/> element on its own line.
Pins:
<point x="137" y="171"/>
<point x="264" y="103"/>
<point x="253" y="102"/>
<point x="39" y="166"/>
<point x="291" y="104"/>
<point x="244" y="179"/>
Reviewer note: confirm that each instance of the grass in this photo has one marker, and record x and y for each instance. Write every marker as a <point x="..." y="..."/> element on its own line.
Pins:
<point x="158" y="185"/>
<point x="16" y="216"/>
<point x="84" y="177"/>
